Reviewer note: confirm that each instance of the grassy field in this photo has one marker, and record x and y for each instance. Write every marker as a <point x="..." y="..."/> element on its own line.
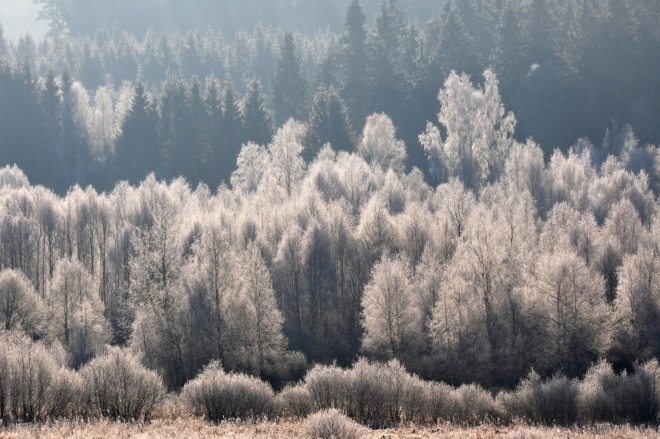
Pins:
<point x="198" y="429"/>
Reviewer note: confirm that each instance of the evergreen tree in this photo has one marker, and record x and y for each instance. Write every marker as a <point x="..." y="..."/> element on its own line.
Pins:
<point x="214" y="130"/>
<point x="539" y="29"/>
<point x="354" y="61"/>
<point x="196" y="133"/>
<point x="22" y="130"/>
<point x="508" y="58"/>
<point x="475" y="19"/>
<point x="328" y="123"/>
<point x="288" y="84"/>
<point x="326" y="71"/>
<point x="455" y="50"/>
<point x="179" y="157"/>
<point x="138" y="150"/>
<point x="387" y="81"/>
<point x="232" y="131"/>
<point x="258" y="126"/>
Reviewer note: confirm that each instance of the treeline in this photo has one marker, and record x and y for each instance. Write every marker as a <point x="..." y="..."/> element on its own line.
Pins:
<point x="508" y="264"/>
<point x="567" y="68"/>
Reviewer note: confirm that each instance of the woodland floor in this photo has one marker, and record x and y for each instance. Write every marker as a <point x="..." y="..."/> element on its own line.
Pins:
<point x="186" y="428"/>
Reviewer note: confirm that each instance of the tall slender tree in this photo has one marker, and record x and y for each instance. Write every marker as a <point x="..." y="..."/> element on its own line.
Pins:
<point x="257" y="123"/>
<point x="328" y="123"/>
<point x="354" y="61"/>
<point x="138" y="150"/>
<point x="508" y="57"/>
<point x="289" y="83"/>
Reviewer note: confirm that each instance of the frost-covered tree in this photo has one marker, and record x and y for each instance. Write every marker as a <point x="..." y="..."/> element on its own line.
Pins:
<point x="285" y="151"/>
<point x="390" y="318"/>
<point x="76" y="312"/>
<point x="253" y="339"/>
<point x="379" y="145"/>
<point x="637" y="306"/>
<point x="21" y="309"/>
<point x="252" y="164"/>
<point x="479" y="132"/>
<point x="575" y="317"/>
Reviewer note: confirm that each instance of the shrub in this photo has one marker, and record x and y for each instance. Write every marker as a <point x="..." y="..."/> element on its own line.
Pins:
<point x="606" y="396"/>
<point x="551" y="402"/>
<point x="327" y="386"/>
<point x="473" y="404"/>
<point x="118" y="387"/>
<point x="332" y="424"/>
<point x="294" y="402"/>
<point x="33" y="385"/>
<point x="217" y="395"/>
<point x="643" y="397"/>
<point x="439" y="403"/>
<point x="595" y="394"/>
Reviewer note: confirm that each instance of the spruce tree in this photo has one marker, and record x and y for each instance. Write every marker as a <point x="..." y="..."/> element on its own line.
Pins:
<point x="387" y="82"/>
<point x="326" y="71"/>
<point x="214" y="130"/>
<point x="196" y="133"/>
<point x="354" y="61"/>
<point x="232" y="130"/>
<point x="258" y="126"/>
<point x="328" y="123"/>
<point x="539" y="29"/>
<point x="288" y="84"/>
<point x="508" y="58"/>
<point x="138" y="150"/>
<point x="455" y="50"/>
<point x="173" y="129"/>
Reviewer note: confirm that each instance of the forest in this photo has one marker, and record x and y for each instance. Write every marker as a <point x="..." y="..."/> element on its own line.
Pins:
<point x="163" y="239"/>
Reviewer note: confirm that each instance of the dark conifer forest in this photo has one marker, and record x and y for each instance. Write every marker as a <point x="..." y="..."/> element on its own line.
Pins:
<point x="456" y="198"/>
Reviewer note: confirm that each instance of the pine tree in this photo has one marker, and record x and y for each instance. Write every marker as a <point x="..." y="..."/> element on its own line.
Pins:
<point x="354" y="61"/>
<point x="288" y="84"/>
<point x="257" y="123"/>
<point x="138" y="149"/>
<point x="328" y="123"/>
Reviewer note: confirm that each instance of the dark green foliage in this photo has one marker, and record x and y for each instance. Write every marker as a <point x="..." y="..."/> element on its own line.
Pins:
<point x="173" y="130"/>
<point x="539" y="32"/>
<point x="232" y="133"/>
<point x="257" y="123"/>
<point x="385" y="74"/>
<point x="508" y="57"/>
<point x="138" y="150"/>
<point x="23" y="135"/>
<point x="328" y="123"/>
<point x="288" y="84"/>
<point x="354" y="61"/>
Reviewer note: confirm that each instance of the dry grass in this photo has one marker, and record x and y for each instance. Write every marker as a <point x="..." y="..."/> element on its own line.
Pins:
<point x="191" y="428"/>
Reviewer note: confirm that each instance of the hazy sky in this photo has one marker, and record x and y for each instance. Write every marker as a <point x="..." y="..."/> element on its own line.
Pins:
<point x="18" y="17"/>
